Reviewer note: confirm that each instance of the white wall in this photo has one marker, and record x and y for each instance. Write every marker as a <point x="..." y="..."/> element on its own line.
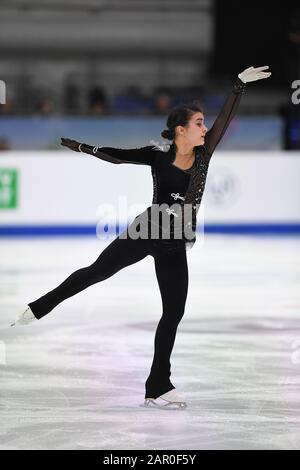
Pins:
<point x="67" y="188"/>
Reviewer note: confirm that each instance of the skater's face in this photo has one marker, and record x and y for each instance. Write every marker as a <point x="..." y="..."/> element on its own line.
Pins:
<point x="194" y="132"/>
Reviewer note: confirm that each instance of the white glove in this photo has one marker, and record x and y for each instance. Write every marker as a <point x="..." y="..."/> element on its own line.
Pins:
<point x="251" y="74"/>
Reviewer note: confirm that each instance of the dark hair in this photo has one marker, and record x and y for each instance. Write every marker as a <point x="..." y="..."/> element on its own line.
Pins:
<point x="180" y="116"/>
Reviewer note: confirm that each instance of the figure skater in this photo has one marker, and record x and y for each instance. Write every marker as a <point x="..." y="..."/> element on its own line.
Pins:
<point x="179" y="172"/>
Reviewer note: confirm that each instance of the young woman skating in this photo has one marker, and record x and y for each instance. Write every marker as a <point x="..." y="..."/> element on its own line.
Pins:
<point x="179" y="172"/>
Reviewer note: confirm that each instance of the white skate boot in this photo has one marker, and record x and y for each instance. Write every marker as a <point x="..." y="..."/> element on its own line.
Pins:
<point x="170" y="400"/>
<point x="24" y="318"/>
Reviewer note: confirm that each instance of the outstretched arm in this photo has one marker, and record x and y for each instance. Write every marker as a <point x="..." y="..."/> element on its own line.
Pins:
<point x="137" y="156"/>
<point x="230" y="107"/>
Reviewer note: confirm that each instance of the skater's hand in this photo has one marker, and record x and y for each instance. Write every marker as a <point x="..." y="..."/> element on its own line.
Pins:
<point x="71" y="144"/>
<point x="252" y="74"/>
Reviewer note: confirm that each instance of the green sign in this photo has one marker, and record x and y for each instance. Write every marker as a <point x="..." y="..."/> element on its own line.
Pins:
<point x="8" y="188"/>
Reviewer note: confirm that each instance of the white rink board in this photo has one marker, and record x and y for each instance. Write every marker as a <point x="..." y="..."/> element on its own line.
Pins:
<point x="67" y="188"/>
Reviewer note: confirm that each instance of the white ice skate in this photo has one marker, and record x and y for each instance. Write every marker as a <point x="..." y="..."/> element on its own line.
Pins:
<point x="170" y="400"/>
<point x="24" y="318"/>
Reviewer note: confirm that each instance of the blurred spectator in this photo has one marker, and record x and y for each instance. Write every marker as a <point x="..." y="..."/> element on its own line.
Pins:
<point x="46" y="107"/>
<point x="290" y="114"/>
<point x="7" y="108"/>
<point x="162" y="103"/>
<point x="4" y="144"/>
<point x="97" y="102"/>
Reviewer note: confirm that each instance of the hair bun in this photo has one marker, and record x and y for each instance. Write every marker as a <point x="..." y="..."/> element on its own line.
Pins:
<point x="167" y="134"/>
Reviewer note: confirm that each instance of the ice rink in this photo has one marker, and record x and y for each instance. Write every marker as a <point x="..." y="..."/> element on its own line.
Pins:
<point x="75" y="379"/>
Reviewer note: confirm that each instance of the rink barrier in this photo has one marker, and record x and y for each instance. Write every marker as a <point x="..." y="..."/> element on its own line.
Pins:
<point x="90" y="230"/>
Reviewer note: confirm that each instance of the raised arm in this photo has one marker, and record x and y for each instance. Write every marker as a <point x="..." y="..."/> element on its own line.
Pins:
<point x="230" y="107"/>
<point x="137" y="156"/>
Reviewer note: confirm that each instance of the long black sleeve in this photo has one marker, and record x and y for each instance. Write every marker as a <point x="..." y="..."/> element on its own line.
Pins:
<point x="215" y="134"/>
<point x="137" y="156"/>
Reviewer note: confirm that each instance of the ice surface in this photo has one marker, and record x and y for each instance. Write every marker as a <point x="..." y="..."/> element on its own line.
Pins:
<point x="75" y="379"/>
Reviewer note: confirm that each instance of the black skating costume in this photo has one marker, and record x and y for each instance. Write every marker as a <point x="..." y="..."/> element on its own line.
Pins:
<point x="171" y="185"/>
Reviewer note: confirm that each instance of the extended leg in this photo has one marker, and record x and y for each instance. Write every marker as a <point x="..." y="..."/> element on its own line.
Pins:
<point x="119" y="254"/>
<point x="172" y="276"/>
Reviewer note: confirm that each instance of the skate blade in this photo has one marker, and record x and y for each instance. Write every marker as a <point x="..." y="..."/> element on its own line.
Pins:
<point x="151" y="403"/>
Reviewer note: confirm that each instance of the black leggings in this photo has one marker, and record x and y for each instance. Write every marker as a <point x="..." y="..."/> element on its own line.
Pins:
<point x="172" y="275"/>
